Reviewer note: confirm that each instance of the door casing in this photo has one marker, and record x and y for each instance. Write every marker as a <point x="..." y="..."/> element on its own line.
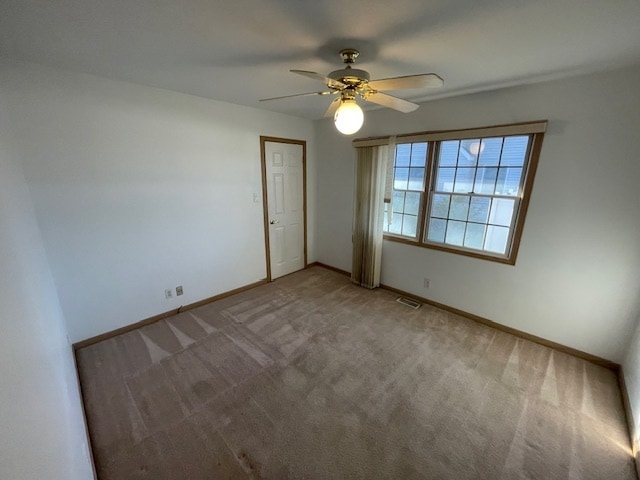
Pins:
<point x="265" y="205"/>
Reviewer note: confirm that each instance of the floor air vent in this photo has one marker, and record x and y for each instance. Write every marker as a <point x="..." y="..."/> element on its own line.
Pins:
<point x="409" y="302"/>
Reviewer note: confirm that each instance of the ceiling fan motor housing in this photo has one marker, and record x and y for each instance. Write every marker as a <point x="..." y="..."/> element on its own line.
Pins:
<point x="350" y="76"/>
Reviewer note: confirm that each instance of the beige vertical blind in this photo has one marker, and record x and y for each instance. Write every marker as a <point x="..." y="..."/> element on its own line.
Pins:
<point x="371" y="177"/>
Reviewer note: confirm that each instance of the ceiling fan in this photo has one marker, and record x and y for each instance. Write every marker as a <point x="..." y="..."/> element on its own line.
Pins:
<point x="351" y="83"/>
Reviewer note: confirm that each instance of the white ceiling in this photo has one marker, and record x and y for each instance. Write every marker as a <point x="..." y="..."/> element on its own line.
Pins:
<point x="240" y="51"/>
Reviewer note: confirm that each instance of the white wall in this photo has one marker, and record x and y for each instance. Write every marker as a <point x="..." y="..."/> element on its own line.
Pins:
<point x="42" y="430"/>
<point x="576" y="278"/>
<point x="138" y="189"/>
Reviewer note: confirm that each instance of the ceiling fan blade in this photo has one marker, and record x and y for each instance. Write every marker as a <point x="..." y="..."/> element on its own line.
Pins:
<point x="296" y="95"/>
<point x="410" y="81"/>
<point x="333" y="106"/>
<point x="330" y="82"/>
<point x="390" y="101"/>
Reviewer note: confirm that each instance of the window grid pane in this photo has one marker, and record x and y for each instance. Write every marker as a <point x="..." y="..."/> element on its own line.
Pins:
<point x="419" y="154"/>
<point x="398" y="201"/>
<point x="410" y="225"/>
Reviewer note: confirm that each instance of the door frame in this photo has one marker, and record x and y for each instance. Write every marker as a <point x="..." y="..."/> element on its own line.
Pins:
<point x="265" y="205"/>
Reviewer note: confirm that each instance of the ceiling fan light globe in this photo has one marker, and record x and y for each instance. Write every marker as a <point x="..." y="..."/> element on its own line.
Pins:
<point x="349" y="117"/>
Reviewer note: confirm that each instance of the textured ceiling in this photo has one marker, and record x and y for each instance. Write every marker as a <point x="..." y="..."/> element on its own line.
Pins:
<point x="240" y="51"/>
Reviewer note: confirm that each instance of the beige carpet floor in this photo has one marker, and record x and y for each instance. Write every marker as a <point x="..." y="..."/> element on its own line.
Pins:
<point x="311" y="377"/>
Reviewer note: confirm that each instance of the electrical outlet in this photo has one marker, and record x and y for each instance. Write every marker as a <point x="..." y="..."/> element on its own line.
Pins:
<point x="179" y="290"/>
<point x="168" y="293"/>
<point x="427" y="283"/>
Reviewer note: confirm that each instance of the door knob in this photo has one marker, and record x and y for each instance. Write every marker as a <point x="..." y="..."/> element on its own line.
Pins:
<point x="273" y="222"/>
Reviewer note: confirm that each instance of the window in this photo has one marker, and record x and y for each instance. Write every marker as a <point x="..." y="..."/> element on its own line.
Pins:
<point x="464" y="191"/>
<point x="408" y="187"/>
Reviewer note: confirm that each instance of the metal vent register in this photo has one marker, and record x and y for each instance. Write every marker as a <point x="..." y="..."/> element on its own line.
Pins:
<point x="409" y="302"/>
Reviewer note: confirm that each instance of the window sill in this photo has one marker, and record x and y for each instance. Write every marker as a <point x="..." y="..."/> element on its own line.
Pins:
<point x="442" y="248"/>
<point x="401" y="239"/>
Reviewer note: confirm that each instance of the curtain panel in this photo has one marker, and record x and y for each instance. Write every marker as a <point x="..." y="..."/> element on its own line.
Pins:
<point x="371" y="184"/>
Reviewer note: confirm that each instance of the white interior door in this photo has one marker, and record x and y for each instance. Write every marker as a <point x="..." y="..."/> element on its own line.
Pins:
<point x="284" y="169"/>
